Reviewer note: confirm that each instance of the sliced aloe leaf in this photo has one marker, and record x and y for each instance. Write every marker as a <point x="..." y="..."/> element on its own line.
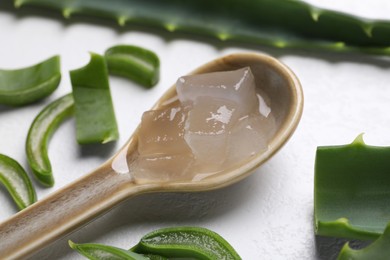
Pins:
<point x="135" y="63"/>
<point x="155" y="257"/>
<point x="94" y="111"/>
<point x="378" y="250"/>
<point x="193" y="242"/>
<point x="39" y="134"/>
<point x="99" y="252"/>
<point x="24" y="86"/>
<point x="352" y="190"/>
<point x="17" y="182"/>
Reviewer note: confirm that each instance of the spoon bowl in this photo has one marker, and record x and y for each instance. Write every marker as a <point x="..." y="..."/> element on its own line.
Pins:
<point x="277" y="82"/>
<point x="113" y="182"/>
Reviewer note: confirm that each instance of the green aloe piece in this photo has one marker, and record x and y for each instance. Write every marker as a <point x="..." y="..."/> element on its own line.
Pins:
<point x="194" y="242"/>
<point x="351" y="190"/>
<point x="155" y="257"/>
<point x="17" y="182"/>
<point x="39" y="134"/>
<point x="99" y="252"/>
<point x="378" y="250"/>
<point x="135" y="63"/>
<point x="279" y="23"/>
<point x="94" y="111"/>
<point x="24" y="86"/>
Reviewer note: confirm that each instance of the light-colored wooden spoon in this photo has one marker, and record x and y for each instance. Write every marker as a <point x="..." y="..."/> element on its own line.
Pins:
<point x="113" y="182"/>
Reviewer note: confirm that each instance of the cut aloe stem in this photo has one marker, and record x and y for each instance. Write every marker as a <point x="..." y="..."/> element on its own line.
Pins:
<point x="352" y="190"/>
<point x="193" y="242"/>
<point x="94" y="111"/>
<point x="17" y="182"/>
<point x="135" y="63"/>
<point x="378" y="250"/>
<point x="39" y="134"/>
<point x="277" y="23"/>
<point x="24" y="86"/>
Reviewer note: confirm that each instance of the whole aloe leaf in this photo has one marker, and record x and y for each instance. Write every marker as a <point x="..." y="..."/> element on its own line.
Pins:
<point x="279" y="23"/>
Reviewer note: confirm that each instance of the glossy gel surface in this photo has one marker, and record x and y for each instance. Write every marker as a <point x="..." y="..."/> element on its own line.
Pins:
<point x="219" y="120"/>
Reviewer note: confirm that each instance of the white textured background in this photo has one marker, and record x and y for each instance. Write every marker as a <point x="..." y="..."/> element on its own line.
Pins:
<point x="267" y="216"/>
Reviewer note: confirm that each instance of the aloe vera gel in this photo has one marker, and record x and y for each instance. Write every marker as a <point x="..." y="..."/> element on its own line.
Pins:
<point x="218" y="120"/>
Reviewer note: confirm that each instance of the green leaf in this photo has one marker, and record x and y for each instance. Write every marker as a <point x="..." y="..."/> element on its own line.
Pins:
<point x="94" y="111"/>
<point x="135" y="63"/>
<point x="276" y="23"/>
<point x="17" y="182"/>
<point x="39" y="134"/>
<point x="195" y="242"/>
<point x="101" y="252"/>
<point x="24" y="86"/>
<point x="352" y="190"/>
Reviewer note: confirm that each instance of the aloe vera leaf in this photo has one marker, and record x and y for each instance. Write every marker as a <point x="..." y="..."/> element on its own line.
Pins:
<point x="99" y="252"/>
<point x="155" y="257"/>
<point x="24" y="86"/>
<point x="195" y="242"/>
<point x="378" y="250"/>
<point x="17" y="182"/>
<point x="135" y="63"/>
<point x="278" y="23"/>
<point x="39" y="134"/>
<point x="94" y="111"/>
<point x="351" y="190"/>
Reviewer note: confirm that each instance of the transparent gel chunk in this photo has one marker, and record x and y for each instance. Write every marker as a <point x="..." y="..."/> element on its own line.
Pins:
<point x="164" y="167"/>
<point x="237" y="86"/>
<point x="207" y="129"/>
<point x="217" y="120"/>
<point x="162" y="132"/>
<point x="250" y="136"/>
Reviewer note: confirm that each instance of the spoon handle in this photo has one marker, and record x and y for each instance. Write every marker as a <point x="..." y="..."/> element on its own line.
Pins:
<point x="64" y="211"/>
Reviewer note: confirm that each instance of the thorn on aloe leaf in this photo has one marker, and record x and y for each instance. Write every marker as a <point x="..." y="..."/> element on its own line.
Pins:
<point x="315" y="14"/>
<point x="67" y="12"/>
<point x="18" y="3"/>
<point x="367" y="28"/>
<point x="223" y="36"/>
<point x="280" y="44"/>
<point x="359" y="140"/>
<point x="338" y="45"/>
<point x="122" y="20"/>
<point x="170" y="27"/>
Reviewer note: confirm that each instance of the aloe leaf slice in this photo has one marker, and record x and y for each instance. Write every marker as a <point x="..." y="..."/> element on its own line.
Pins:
<point x="135" y="63"/>
<point x="24" y="86"/>
<point x="39" y="134"/>
<point x="155" y="257"/>
<point x="17" y="182"/>
<point x="99" y="252"/>
<point x="352" y="190"/>
<point x="193" y="242"/>
<point x="94" y="111"/>
<point x="378" y="250"/>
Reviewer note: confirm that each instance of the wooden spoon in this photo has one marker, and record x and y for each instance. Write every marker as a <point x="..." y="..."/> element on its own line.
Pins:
<point x="113" y="182"/>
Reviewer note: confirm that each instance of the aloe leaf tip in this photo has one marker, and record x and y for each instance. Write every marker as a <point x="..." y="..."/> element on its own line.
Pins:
<point x="72" y="244"/>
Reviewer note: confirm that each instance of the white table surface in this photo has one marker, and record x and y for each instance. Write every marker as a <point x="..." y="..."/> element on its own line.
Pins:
<point x="266" y="216"/>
